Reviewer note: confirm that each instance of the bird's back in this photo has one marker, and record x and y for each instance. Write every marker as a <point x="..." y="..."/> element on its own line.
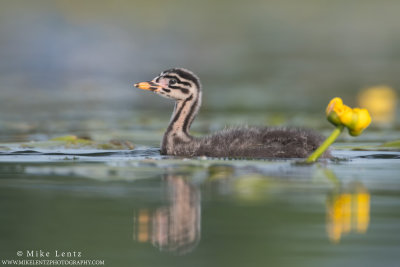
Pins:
<point x="254" y="142"/>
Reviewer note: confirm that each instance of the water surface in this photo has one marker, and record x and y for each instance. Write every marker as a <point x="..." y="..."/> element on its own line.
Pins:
<point x="139" y="208"/>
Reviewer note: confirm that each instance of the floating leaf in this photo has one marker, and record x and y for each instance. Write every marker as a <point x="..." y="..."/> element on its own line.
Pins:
<point x="391" y="144"/>
<point x="74" y="142"/>
<point x="66" y="138"/>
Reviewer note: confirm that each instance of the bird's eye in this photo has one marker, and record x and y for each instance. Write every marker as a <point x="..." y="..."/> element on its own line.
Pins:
<point x="172" y="81"/>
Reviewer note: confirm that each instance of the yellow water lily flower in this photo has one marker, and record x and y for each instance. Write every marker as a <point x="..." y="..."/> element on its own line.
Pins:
<point x="359" y="121"/>
<point x="381" y="102"/>
<point x="340" y="115"/>
<point x="336" y="110"/>
<point x="356" y="119"/>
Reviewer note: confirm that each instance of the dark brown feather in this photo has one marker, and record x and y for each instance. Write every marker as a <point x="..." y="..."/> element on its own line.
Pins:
<point x="252" y="142"/>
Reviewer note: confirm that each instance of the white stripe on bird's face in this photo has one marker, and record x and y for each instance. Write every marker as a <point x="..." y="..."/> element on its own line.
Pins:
<point x="174" y="86"/>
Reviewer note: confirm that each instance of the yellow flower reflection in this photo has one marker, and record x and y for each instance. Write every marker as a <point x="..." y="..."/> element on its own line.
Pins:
<point x="348" y="212"/>
<point x="356" y="119"/>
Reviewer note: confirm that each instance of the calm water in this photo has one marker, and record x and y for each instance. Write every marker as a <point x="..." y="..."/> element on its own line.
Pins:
<point x="139" y="209"/>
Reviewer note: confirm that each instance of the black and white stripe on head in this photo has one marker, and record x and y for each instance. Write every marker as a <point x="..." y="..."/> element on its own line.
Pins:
<point x="182" y="76"/>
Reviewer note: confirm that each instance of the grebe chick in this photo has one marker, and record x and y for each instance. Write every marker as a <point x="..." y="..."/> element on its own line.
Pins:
<point x="184" y="87"/>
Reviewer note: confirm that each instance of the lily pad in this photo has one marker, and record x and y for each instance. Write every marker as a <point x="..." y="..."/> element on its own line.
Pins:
<point x="4" y="148"/>
<point x="72" y="139"/>
<point x="74" y="142"/>
<point x="392" y="144"/>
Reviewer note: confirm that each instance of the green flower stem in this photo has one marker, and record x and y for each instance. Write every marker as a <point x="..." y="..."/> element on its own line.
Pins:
<point x="324" y="146"/>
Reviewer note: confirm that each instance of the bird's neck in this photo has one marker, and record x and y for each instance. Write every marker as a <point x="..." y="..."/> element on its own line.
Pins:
<point x="182" y="117"/>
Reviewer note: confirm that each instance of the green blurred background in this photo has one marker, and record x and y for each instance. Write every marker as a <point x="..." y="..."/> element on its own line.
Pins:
<point x="269" y="55"/>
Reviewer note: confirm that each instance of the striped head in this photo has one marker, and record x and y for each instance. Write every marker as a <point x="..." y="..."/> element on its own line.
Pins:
<point x="177" y="84"/>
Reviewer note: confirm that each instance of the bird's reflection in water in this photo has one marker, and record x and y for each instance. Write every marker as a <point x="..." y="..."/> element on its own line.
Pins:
<point x="175" y="227"/>
<point x="348" y="211"/>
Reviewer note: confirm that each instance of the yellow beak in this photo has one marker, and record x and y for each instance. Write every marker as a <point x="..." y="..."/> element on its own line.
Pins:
<point x="151" y="86"/>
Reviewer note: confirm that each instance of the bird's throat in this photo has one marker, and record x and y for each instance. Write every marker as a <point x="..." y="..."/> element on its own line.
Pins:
<point x="178" y="130"/>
